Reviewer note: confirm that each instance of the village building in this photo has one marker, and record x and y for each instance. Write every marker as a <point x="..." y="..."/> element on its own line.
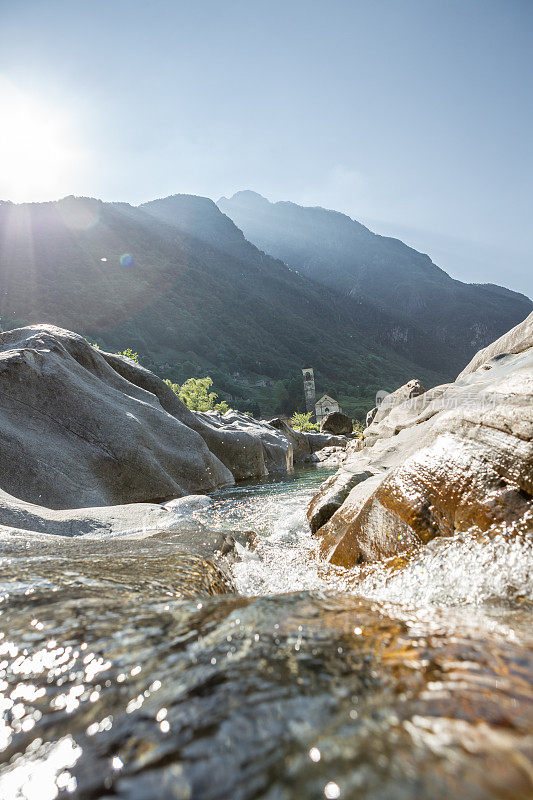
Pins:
<point x="325" y="406"/>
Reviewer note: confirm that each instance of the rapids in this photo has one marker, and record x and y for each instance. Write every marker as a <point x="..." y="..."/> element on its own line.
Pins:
<point x="455" y="571"/>
<point x="408" y="678"/>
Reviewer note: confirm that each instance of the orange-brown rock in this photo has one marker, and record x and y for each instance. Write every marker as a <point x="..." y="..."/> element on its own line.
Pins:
<point x="457" y="458"/>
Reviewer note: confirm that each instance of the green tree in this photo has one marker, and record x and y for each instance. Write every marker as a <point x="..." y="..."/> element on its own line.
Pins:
<point x="196" y="395"/>
<point x="358" y="428"/>
<point x="128" y="352"/>
<point x="302" y="422"/>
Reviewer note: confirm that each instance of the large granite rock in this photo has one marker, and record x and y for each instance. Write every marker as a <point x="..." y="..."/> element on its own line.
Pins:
<point x="317" y="441"/>
<point x="248" y="446"/>
<point x="132" y="519"/>
<point x="101" y="542"/>
<point x="79" y="427"/>
<point x="516" y="340"/>
<point x="457" y="458"/>
<point x="301" y="446"/>
<point x="337" y="423"/>
<point x="412" y="388"/>
<point x="305" y="446"/>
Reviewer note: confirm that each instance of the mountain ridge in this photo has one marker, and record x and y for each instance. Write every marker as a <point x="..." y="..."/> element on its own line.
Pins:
<point x="331" y="248"/>
<point x="250" y="193"/>
<point x="198" y="298"/>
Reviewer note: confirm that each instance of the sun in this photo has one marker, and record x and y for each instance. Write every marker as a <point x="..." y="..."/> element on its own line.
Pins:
<point x="38" y="155"/>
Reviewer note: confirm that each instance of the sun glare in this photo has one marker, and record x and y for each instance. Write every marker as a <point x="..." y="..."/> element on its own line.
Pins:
<point x="37" y="154"/>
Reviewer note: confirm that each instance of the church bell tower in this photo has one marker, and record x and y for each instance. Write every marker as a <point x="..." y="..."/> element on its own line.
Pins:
<point x="309" y="389"/>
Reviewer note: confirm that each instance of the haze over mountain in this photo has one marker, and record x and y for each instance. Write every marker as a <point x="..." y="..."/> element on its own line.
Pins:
<point x="198" y="298"/>
<point x="341" y="253"/>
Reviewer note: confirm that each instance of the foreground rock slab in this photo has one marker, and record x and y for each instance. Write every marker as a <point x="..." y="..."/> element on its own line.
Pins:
<point x="456" y="458"/>
<point x="121" y="688"/>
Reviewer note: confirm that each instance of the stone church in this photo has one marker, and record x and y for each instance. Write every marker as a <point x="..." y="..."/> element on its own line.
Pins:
<point x="324" y="406"/>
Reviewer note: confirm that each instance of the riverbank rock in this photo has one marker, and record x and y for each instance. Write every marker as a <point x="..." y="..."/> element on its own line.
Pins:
<point x="249" y="449"/>
<point x="79" y="427"/>
<point x="408" y="391"/>
<point x="317" y="441"/>
<point x="337" y="423"/>
<point x="257" y="448"/>
<point x="131" y="520"/>
<point x="329" y="456"/>
<point x="456" y="458"/>
<point x="103" y="541"/>
<point x="301" y="447"/>
<point x="309" y="447"/>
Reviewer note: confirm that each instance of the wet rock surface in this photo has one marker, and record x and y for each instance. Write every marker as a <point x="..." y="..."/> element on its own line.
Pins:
<point x="456" y="458"/>
<point x="132" y="692"/>
<point x="128" y="668"/>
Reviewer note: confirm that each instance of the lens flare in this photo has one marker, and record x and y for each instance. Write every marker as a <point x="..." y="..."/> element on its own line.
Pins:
<point x="127" y="260"/>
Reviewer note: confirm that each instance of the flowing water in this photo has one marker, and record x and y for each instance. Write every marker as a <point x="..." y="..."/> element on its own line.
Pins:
<point x="130" y="669"/>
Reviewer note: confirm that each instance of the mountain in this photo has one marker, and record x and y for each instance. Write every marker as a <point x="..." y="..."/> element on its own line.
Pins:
<point x="335" y="250"/>
<point x="176" y="281"/>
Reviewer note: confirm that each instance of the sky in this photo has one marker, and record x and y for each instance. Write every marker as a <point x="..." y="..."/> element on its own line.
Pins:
<point x="412" y="116"/>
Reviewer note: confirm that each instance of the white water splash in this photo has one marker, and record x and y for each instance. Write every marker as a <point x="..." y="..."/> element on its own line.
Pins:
<point x="459" y="570"/>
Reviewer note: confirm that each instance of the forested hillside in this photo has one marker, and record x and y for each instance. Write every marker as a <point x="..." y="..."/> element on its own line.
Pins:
<point x="186" y="291"/>
<point x="340" y="253"/>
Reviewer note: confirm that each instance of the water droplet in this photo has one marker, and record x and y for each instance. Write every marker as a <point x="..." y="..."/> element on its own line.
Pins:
<point x="315" y="754"/>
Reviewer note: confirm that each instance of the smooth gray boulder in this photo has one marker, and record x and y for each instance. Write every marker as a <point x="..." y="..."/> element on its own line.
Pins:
<point x="81" y="428"/>
<point x="73" y="432"/>
<point x="132" y="519"/>
<point x="306" y="445"/>
<point x="301" y="447"/>
<point x="248" y="448"/>
<point x="243" y="445"/>
<point x="269" y="448"/>
<point x="99" y="542"/>
<point x="317" y="441"/>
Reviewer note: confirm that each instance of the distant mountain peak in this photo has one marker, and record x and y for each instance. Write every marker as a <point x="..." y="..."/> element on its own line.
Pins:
<point x="333" y="249"/>
<point x="246" y="196"/>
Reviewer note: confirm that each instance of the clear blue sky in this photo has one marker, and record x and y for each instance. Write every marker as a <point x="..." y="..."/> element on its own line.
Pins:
<point x="413" y="116"/>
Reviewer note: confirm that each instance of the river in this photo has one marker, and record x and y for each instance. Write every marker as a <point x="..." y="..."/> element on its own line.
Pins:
<point x="409" y="679"/>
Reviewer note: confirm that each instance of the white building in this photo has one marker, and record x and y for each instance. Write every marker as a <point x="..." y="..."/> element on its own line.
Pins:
<point x="325" y="406"/>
